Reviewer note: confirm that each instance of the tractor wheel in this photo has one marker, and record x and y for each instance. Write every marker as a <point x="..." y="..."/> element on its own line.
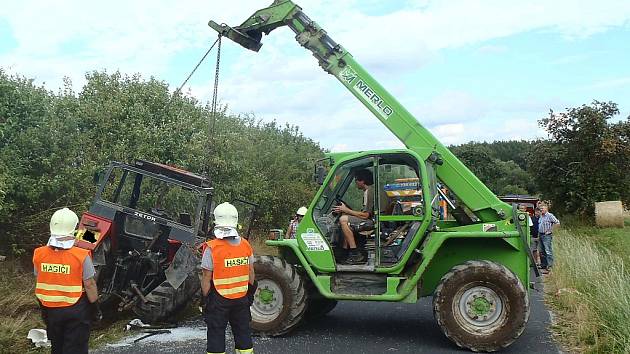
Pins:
<point x="280" y="300"/>
<point x="481" y="306"/>
<point x="165" y="301"/>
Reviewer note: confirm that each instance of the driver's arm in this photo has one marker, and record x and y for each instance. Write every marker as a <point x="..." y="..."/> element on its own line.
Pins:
<point x="344" y="209"/>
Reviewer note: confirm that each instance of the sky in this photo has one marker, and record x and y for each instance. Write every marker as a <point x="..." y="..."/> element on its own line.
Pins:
<point x="468" y="70"/>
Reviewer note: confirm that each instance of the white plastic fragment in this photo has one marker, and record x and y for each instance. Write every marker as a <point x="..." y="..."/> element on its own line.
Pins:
<point x="135" y="323"/>
<point x="38" y="337"/>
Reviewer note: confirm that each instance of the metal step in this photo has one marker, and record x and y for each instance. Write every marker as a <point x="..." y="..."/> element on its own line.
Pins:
<point x="359" y="284"/>
<point x="355" y="268"/>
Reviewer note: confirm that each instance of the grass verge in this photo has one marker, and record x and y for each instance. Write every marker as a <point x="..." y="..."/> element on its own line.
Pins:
<point x="19" y="311"/>
<point x="260" y="248"/>
<point x="589" y="289"/>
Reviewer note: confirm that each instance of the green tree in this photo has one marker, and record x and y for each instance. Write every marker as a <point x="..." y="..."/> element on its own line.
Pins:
<point x="501" y="176"/>
<point x="51" y="144"/>
<point x="586" y="159"/>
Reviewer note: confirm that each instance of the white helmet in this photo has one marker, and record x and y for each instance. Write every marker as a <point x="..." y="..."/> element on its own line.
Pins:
<point x="301" y="211"/>
<point x="63" y="222"/>
<point x="225" y="215"/>
<point x="62" y="225"/>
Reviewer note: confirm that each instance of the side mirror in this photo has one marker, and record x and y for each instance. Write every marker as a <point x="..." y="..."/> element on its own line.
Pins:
<point x="320" y="174"/>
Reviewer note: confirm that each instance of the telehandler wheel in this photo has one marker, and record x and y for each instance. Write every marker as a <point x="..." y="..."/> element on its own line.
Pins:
<point x="165" y="301"/>
<point x="318" y="308"/>
<point x="280" y="301"/>
<point x="481" y="306"/>
<point x="317" y="305"/>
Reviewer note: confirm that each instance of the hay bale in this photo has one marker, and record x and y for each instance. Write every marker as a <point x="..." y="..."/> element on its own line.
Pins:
<point x="609" y="214"/>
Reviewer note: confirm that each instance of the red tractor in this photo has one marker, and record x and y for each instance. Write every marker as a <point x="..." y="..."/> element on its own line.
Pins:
<point x="143" y="228"/>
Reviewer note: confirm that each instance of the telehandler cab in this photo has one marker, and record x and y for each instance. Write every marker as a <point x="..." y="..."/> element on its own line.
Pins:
<point x="471" y="254"/>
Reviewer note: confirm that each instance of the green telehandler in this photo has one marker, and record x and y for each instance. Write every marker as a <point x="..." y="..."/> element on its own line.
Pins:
<point x="435" y="228"/>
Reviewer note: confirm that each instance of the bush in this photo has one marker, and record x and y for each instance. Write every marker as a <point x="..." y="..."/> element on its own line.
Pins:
<point x="52" y="144"/>
<point x="586" y="160"/>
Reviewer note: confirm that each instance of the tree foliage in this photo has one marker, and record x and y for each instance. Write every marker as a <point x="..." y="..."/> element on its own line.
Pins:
<point x="586" y="159"/>
<point x="51" y="144"/>
<point x="500" y="165"/>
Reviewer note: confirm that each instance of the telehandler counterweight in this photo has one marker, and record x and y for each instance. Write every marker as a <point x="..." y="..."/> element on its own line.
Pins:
<point x="434" y="227"/>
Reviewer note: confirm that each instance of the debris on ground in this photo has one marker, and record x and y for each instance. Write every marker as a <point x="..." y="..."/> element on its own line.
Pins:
<point x="150" y="333"/>
<point x="38" y="337"/>
<point x="137" y="323"/>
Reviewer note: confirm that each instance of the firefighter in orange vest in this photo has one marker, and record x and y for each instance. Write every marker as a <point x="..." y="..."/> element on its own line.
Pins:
<point x="227" y="283"/>
<point x="65" y="286"/>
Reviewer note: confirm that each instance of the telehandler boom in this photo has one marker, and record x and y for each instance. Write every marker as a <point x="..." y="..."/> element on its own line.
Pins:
<point x="337" y="61"/>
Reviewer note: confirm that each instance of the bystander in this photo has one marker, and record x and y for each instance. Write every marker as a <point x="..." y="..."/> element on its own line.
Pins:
<point x="545" y="232"/>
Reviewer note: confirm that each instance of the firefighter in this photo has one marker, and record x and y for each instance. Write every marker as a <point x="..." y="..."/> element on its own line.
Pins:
<point x="227" y="283"/>
<point x="65" y="286"/>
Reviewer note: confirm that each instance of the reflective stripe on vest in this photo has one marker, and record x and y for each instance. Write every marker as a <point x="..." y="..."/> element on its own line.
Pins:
<point x="59" y="275"/>
<point x="230" y="274"/>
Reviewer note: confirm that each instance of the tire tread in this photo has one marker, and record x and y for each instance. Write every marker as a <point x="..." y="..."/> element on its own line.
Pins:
<point x="476" y="265"/>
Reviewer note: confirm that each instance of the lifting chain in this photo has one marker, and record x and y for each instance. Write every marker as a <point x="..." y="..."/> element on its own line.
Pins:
<point x="216" y="88"/>
<point x="213" y="113"/>
<point x="214" y="102"/>
<point x="179" y="89"/>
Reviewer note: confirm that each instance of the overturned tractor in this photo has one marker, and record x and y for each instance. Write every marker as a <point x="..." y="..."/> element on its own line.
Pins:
<point x="142" y="228"/>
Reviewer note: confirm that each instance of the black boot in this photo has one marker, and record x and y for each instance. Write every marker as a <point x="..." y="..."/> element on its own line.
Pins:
<point x="355" y="257"/>
<point x="340" y="254"/>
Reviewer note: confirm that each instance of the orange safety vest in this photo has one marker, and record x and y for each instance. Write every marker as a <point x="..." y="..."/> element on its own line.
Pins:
<point x="59" y="275"/>
<point x="230" y="275"/>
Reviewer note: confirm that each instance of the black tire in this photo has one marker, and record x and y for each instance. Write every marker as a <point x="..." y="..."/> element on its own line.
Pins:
<point x="164" y="301"/>
<point x="481" y="306"/>
<point x="318" y="308"/>
<point x="317" y="305"/>
<point x="280" y="301"/>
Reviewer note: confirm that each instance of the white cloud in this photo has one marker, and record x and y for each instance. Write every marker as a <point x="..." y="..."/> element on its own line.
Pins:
<point x="340" y="147"/>
<point x="450" y="107"/>
<point x="283" y="81"/>
<point x="450" y="133"/>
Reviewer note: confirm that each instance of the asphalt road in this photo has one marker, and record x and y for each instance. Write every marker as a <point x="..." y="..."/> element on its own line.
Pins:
<point x="352" y="327"/>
